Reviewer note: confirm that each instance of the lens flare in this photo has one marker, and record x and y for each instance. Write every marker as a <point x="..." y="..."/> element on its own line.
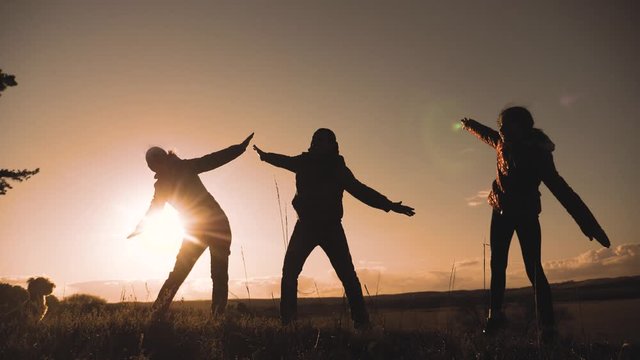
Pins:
<point x="457" y="126"/>
<point x="162" y="232"/>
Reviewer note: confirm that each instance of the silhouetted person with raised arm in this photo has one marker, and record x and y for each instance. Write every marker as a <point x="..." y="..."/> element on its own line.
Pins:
<point x="524" y="160"/>
<point x="321" y="178"/>
<point x="205" y="224"/>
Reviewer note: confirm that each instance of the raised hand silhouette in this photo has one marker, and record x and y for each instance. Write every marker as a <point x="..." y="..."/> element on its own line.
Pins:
<point x="246" y="141"/>
<point x="260" y="152"/>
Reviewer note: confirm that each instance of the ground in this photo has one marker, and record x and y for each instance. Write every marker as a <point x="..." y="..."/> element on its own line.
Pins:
<point x="406" y="326"/>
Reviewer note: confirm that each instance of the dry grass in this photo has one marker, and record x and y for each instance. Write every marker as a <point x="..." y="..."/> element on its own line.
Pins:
<point x="118" y="331"/>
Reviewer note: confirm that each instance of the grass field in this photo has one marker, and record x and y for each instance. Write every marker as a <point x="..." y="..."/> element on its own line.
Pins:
<point x="587" y="330"/>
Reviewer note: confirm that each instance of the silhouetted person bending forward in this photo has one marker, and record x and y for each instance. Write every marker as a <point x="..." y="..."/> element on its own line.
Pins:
<point x="321" y="178"/>
<point x="524" y="160"/>
<point x="205" y="224"/>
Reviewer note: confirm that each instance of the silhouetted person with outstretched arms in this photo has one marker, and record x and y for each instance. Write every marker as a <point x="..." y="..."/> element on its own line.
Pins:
<point x="205" y="224"/>
<point x="524" y="160"/>
<point x="321" y="178"/>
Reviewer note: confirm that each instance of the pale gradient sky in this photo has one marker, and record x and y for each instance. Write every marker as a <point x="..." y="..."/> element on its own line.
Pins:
<point x="99" y="82"/>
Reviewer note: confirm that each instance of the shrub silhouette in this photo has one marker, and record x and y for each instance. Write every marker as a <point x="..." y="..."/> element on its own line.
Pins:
<point x="11" y="298"/>
<point x="17" y="303"/>
<point x="83" y="303"/>
<point x="53" y="303"/>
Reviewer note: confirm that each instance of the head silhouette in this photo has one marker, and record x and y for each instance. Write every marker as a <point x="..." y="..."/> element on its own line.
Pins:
<point x="324" y="142"/>
<point x="156" y="158"/>
<point x="515" y="123"/>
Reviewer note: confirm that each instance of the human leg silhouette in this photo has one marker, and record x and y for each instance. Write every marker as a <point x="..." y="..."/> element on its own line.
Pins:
<point x="529" y="235"/>
<point x="219" y="276"/>
<point x="189" y="253"/>
<point x="217" y="235"/>
<point x="300" y="246"/>
<point x="502" y="228"/>
<point x="334" y="244"/>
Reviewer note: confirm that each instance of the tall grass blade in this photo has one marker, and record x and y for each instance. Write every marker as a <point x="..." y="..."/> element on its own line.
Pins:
<point x="282" y="221"/>
<point x="246" y="277"/>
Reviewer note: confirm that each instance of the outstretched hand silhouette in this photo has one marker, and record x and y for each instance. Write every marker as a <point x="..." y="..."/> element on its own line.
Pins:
<point x="464" y="121"/>
<point x="246" y="141"/>
<point x="402" y="209"/>
<point x="600" y="237"/>
<point x="136" y="232"/>
<point x="260" y="152"/>
<point x="133" y="234"/>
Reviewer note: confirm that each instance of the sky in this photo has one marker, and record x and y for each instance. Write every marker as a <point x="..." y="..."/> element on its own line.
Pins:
<point x="100" y="82"/>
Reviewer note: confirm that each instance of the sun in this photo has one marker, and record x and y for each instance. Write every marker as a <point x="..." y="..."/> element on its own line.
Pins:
<point x="162" y="232"/>
<point x="152" y="252"/>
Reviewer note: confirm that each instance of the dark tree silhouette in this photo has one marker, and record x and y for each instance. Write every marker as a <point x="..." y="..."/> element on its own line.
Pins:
<point x="6" y="80"/>
<point x="6" y="174"/>
<point x="16" y="175"/>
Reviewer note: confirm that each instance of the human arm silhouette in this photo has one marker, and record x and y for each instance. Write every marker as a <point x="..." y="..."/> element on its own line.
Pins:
<point x="371" y="197"/>
<point x="155" y="207"/>
<point x="138" y="230"/>
<point x="157" y="204"/>
<point x="571" y="201"/>
<point x="482" y="132"/>
<point x="219" y="158"/>
<point x="282" y="161"/>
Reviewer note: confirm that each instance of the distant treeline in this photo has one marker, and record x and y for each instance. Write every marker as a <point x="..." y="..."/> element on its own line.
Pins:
<point x="570" y="291"/>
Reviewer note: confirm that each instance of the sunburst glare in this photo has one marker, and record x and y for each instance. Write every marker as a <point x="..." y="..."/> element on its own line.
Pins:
<point x="162" y="232"/>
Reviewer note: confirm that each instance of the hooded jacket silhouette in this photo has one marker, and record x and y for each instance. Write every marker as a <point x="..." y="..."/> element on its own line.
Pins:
<point x="321" y="180"/>
<point x="521" y="167"/>
<point x="524" y="160"/>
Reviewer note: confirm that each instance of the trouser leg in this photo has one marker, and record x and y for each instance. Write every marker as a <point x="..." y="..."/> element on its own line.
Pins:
<point x="502" y="228"/>
<point x="187" y="256"/>
<point x="336" y="247"/>
<point x="217" y="235"/>
<point x="300" y="246"/>
<point x="219" y="276"/>
<point x="529" y="235"/>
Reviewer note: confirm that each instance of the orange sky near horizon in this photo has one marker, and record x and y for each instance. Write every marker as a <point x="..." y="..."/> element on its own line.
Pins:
<point x="101" y="82"/>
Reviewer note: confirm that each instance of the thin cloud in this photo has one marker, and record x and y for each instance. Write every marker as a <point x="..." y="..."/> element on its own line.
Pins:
<point x="21" y="280"/>
<point x="117" y="290"/>
<point x="622" y="260"/>
<point x="395" y="283"/>
<point x="466" y="263"/>
<point x="478" y="199"/>
<point x="604" y="262"/>
<point x="14" y="280"/>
